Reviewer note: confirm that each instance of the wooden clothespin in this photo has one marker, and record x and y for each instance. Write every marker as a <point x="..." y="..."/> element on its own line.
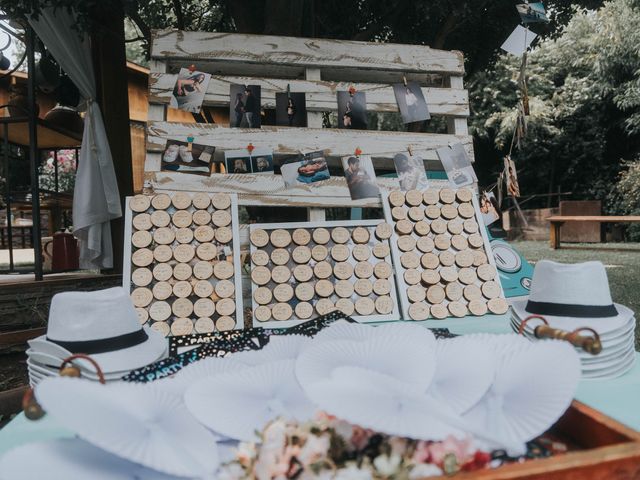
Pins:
<point x="410" y="150"/>
<point x="352" y="90"/>
<point x="189" y="143"/>
<point x="250" y="148"/>
<point x="404" y="80"/>
<point x="288" y="90"/>
<point x="192" y="68"/>
<point x="358" y="152"/>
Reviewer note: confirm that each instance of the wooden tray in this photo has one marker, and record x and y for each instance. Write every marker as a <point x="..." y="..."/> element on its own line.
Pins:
<point x="600" y="448"/>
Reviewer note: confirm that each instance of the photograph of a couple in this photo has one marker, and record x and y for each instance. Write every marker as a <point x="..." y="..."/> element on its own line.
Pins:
<point x="189" y="90"/>
<point x="411" y="102"/>
<point x="244" y="108"/>
<point x="308" y="168"/>
<point x="411" y="172"/>
<point x="352" y="110"/>
<point x="260" y="160"/>
<point x="360" y="176"/>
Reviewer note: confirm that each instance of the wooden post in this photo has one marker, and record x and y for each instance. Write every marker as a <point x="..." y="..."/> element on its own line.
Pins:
<point x="554" y="235"/>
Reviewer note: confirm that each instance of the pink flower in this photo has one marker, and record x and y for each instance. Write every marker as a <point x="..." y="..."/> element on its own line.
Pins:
<point x="421" y="453"/>
<point x="360" y="437"/>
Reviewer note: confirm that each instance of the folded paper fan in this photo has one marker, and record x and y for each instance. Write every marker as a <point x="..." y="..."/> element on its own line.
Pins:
<point x="285" y="347"/>
<point x="139" y="423"/>
<point x="239" y="404"/>
<point x="533" y="387"/>
<point x="64" y="459"/>
<point x="342" y="330"/>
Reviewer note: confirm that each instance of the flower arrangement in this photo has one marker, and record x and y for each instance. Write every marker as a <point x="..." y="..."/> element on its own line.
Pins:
<point x="328" y="448"/>
<point x="66" y="171"/>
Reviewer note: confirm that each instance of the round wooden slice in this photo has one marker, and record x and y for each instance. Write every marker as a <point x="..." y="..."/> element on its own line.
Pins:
<point x="442" y="242"/>
<point x="142" y="221"/>
<point x="477" y="307"/>
<point x="455" y="227"/>
<point x="202" y="270"/>
<point x="419" y="311"/>
<point x="360" y="235"/>
<point x="472" y="292"/>
<point x="139" y="203"/>
<point x="411" y="276"/>
<point x="439" y="311"/>
<point x="162" y="253"/>
<point x="475" y="240"/>
<point x="322" y="270"/>
<point x="182" y="289"/>
<point x="143" y="315"/>
<point x="464" y="195"/>
<point x="301" y="254"/>
<point x="258" y="237"/>
<point x="225" y="289"/>
<point x="459" y="242"/>
<point x="464" y="258"/>
<point x="204" y="307"/>
<point x="396" y="198"/>
<point x="141" y="239"/>
<point x="470" y="226"/>
<point x="182" y="307"/>
<point x="280" y="238"/>
<point x="398" y="213"/>
<point x="490" y="290"/>
<point x="407" y="243"/>
<point x="141" y="277"/>
<point x="413" y="198"/>
<point x="203" y="233"/>
<point x="221" y="218"/>
<point x="282" y="311"/>
<point x="262" y="295"/>
<point x="383" y="231"/>
<point x="429" y="261"/>
<point x="260" y="275"/>
<point x="141" y="297"/>
<point x="324" y="288"/>
<point x="301" y="236"/>
<point x="201" y="217"/>
<point x="486" y="272"/>
<point x="161" y="327"/>
<point x="325" y="306"/>
<point x="260" y="258"/>
<point x="447" y="195"/>
<point x="404" y="227"/>
<point x="382" y="286"/>
<point x="449" y="212"/>
<point x="361" y="252"/>
<point x="280" y="256"/>
<point x="201" y="201"/>
<point x="363" y="287"/>
<point x="181" y="200"/>
<point x="262" y="313"/>
<point x="162" y="290"/>
<point x="225" y="323"/>
<point x="457" y="309"/>
<point x="203" y="288"/>
<point x="382" y="270"/>
<point x="181" y="326"/>
<point x="425" y="244"/>
<point x="453" y="291"/>
<point x="204" y="324"/>
<point x="479" y="258"/>
<point x="448" y="274"/>
<point x="142" y="257"/>
<point x="430" y="277"/>
<point x="164" y="236"/>
<point x="446" y="258"/>
<point x="321" y="236"/>
<point x="435" y="294"/>
<point x="162" y="272"/>
<point x="224" y="235"/>
<point x="340" y="252"/>
<point x="160" y="311"/>
<point x="340" y="235"/>
<point x="343" y="270"/>
<point x="432" y="212"/>
<point x="363" y="270"/>
<point x="305" y="291"/>
<point x="182" y="218"/>
<point x="498" y="306"/>
<point x="161" y="201"/>
<point x="304" y="310"/>
<point x="283" y="292"/>
<point x="343" y="288"/>
<point x="282" y="274"/>
<point x="303" y="273"/>
<point x="365" y="306"/>
<point x="184" y="235"/>
<point x="223" y="270"/>
<point x="319" y="253"/>
<point x="183" y="253"/>
<point x="207" y="251"/>
<point x="430" y="197"/>
<point x="381" y="250"/>
<point x="438" y="226"/>
<point x="467" y="276"/>
<point x="226" y="306"/>
<point x="221" y="201"/>
<point x="346" y="306"/>
<point x="466" y="210"/>
<point x="422" y="228"/>
<point x="416" y="293"/>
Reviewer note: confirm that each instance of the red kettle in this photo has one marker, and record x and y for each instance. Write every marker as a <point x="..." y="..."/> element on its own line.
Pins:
<point x="65" y="252"/>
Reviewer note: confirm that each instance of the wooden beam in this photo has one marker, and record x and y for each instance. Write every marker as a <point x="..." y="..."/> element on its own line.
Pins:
<point x="20" y="336"/>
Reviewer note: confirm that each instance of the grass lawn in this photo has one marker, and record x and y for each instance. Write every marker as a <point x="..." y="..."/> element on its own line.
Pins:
<point x="622" y="261"/>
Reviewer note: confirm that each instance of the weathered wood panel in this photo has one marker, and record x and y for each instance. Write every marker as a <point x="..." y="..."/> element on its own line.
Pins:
<point x="319" y="95"/>
<point x="230" y="48"/>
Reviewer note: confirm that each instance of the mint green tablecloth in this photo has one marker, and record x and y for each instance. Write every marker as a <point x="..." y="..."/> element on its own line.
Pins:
<point x="619" y="398"/>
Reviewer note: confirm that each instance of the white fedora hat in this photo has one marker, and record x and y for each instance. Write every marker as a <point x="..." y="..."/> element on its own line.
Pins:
<point x="571" y="296"/>
<point x="103" y="324"/>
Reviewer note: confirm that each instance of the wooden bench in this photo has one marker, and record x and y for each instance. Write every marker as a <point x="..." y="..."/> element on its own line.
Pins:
<point x="558" y="221"/>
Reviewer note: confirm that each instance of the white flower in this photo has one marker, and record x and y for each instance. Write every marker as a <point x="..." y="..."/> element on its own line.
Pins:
<point x="246" y="452"/>
<point x="315" y="448"/>
<point x="231" y="471"/>
<point x="352" y="472"/>
<point x="387" y="465"/>
<point x="424" y="470"/>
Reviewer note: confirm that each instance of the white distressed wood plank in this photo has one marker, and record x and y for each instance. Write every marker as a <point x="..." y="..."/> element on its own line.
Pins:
<point x="286" y="140"/>
<point x="153" y="162"/>
<point x="157" y="111"/>
<point x="314" y="119"/>
<point x="320" y="95"/>
<point x="457" y="126"/>
<point x="232" y="48"/>
<point x="317" y="215"/>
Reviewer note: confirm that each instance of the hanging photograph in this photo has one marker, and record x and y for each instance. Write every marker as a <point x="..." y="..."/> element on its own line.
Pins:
<point x="411" y="102"/>
<point x="457" y="165"/>
<point x="532" y="12"/>
<point x="189" y="90"/>
<point x="352" y="110"/>
<point x="182" y="157"/>
<point x="489" y="208"/>
<point x="411" y="172"/>
<point x="244" y="107"/>
<point x="519" y="41"/>
<point x="291" y="110"/>
<point x="309" y="168"/>
<point x="511" y="175"/>
<point x="261" y="160"/>
<point x="360" y="176"/>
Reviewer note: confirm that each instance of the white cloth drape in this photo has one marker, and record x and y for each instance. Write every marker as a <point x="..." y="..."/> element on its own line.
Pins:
<point x="96" y="200"/>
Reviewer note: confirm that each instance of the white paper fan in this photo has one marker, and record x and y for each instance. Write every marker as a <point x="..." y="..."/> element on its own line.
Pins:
<point x="239" y="404"/>
<point x="342" y="330"/>
<point x="282" y="347"/>
<point x="465" y="368"/>
<point x="533" y="387"/>
<point x="64" y="459"/>
<point x="136" y="422"/>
